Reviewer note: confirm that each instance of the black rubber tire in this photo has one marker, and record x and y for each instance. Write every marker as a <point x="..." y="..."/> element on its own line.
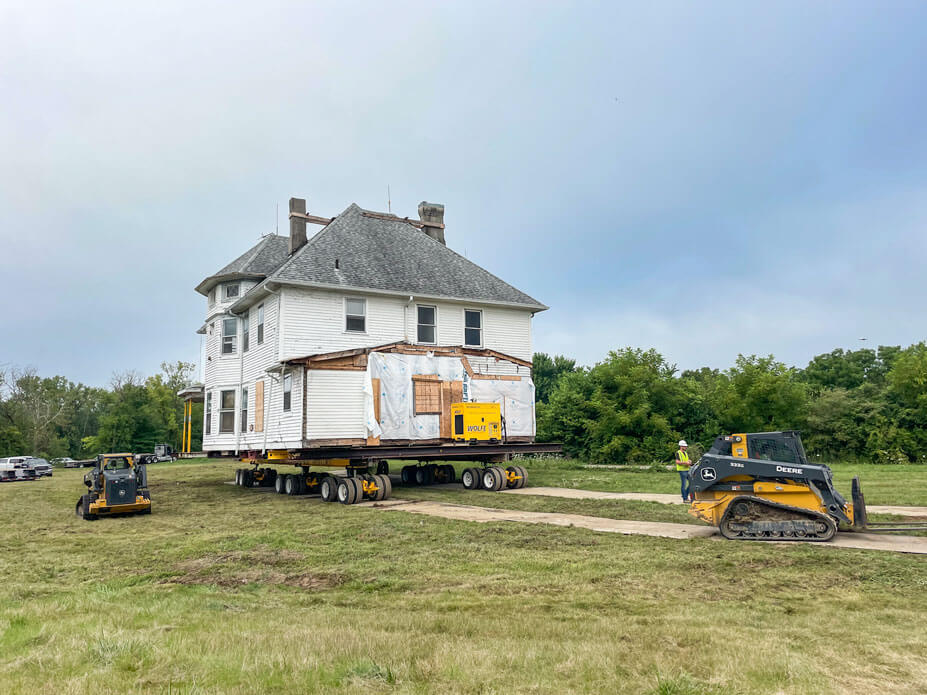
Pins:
<point x="291" y="485"/>
<point x="450" y="475"/>
<point x="347" y="491"/>
<point x="238" y="476"/>
<point x="470" y="478"/>
<point x="524" y="477"/>
<point x="270" y="477"/>
<point x="278" y="484"/>
<point x="420" y="475"/>
<point x="383" y="468"/>
<point x="328" y="487"/>
<point x="386" y="487"/>
<point x="247" y="479"/>
<point x="407" y="475"/>
<point x="512" y="484"/>
<point x="493" y="478"/>
<point x="301" y="479"/>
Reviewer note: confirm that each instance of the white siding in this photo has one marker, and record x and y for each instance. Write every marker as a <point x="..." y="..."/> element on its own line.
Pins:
<point x="335" y="408"/>
<point x="311" y="322"/>
<point x="314" y="323"/>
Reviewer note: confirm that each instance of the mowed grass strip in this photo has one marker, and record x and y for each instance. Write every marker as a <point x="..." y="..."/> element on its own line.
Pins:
<point x="224" y="590"/>
<point x="881" y="484"/>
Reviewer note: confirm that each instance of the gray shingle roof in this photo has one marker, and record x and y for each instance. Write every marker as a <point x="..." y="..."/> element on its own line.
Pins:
<point x="392" y="256"/>
<point x="258" y="261"/>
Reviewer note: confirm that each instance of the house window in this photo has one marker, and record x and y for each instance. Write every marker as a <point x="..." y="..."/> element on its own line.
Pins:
<point x="260" y="324"/>
<point x="208" y="427"/>
<point x="473" y="328"/>
<point x="212" y="296"/>
<point x="427" y="322"/>
<point x="245" y="336"/>
<point x="244" y="410"/>
<point x="287" y="391"/>
<point x="355" y="315"/>
<point x="231" y="290"/>
<point x="227" y="411"/>
<point x="229" y="334"/>
<point x="427" y="394"/>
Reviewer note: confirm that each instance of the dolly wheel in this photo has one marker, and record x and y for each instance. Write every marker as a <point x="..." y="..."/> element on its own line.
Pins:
<point x="491" y="479"/>
<point x="347" y="491"/>
<point x="450" y="475"/>
<point x="327" y="488"/>
<point x="470" y="478"/>
<point x="279" y="484"/>
<point x="407" y="475"/>
<point x="291" y="485"/>
<point x="384" y="488"/>
<point x="515" y="477"/>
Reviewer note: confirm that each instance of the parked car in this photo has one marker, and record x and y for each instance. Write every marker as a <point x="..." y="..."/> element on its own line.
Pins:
<point x="40" y="466"/>
<point x="65" y="461"/>
<point x="16" y="468"/>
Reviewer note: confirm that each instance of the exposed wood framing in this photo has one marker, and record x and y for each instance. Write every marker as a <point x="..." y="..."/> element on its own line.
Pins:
<point x="314" y="219"/>
<point x="375" y="384"/>
<point x="496" y="377"/>
<point x="466" y="365"/>
<point x="316" y="443"/>
<point x="401" y="347"/>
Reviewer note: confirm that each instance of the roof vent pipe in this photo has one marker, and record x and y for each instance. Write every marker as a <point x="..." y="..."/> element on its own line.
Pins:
<point x="434" y="213"/>
<point x="297" y="224"/>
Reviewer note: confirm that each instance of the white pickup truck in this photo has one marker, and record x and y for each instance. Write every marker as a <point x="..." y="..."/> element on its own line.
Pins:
<point x="16" y="468"/>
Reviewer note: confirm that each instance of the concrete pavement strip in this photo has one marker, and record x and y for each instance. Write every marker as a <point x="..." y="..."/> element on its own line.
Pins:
<point x="572" y="493"/>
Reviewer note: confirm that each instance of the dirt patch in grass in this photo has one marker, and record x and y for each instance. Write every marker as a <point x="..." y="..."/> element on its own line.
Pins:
<point x="259" y="566"/>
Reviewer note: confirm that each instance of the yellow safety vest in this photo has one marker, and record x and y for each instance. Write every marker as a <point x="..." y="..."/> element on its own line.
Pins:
<point x="682" y="457"/>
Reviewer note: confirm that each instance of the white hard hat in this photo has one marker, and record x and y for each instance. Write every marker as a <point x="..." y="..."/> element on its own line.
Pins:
<point x="682" y="442"/>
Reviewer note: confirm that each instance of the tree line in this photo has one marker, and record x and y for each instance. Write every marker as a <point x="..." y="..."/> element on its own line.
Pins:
<point x="53" y="417"/>
<point x="867" y="405"/>
<point x="632" y="407"/>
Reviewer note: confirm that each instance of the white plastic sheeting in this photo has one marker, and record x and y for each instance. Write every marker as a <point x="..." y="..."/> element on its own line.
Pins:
<point x="516" y="399"/>
<point x="397" y="409"/>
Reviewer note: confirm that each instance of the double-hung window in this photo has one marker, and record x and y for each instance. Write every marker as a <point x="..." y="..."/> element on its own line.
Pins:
<point x="245" y="335"/>
<point x="229" y="335"/>
<point x="244" y="410"/>
<point x="208" y="426"/>
<point x="231" y="290"/>
<point x="227" y="411"/>
<point x="473" y="328"/>
<point x="427" y="324"/>
<point x="260" y="324"/>
<point x="287" y="391"/>
<point x="355" y="315"/>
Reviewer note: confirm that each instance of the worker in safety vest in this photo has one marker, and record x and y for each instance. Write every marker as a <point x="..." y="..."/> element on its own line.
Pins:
<point x="682" y="467"/>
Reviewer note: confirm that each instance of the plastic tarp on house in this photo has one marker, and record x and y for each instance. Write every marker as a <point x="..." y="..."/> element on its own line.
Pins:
<point x="397" y="408"/>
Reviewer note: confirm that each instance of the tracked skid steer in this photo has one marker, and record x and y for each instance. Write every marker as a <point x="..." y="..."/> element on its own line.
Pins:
<point x="760" y="486"/>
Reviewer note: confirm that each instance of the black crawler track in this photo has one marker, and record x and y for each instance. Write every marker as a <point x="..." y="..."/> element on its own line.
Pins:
<point x="753" y="518"/>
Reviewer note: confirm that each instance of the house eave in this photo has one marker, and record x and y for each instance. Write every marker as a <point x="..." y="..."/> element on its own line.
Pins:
<point x="207" y="284"/>
<point x="536" y="308"/>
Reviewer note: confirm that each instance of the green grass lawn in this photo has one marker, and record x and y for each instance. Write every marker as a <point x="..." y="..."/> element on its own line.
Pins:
<point x="225" y="590"/>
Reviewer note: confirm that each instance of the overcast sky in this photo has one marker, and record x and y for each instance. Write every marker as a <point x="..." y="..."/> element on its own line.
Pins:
<point x="704" y="178"/>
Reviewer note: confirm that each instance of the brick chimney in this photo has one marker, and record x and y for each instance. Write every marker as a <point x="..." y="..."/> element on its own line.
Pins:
<point x="434" y="213"/>
<point x="297" y="225"/>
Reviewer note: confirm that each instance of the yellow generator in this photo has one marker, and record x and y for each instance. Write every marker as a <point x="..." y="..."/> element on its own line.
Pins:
<point x="476" y="422"/>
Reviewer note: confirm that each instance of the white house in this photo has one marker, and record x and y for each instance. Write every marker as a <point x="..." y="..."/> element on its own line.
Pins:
<point x="362" y="333"/>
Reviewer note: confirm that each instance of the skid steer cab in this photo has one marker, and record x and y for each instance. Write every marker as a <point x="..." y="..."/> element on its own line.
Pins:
<point x="760" y="486"/>
<point x="116" y="485"/>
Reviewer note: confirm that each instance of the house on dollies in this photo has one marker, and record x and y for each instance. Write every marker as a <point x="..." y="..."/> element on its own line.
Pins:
<point x="363" y="334"/>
